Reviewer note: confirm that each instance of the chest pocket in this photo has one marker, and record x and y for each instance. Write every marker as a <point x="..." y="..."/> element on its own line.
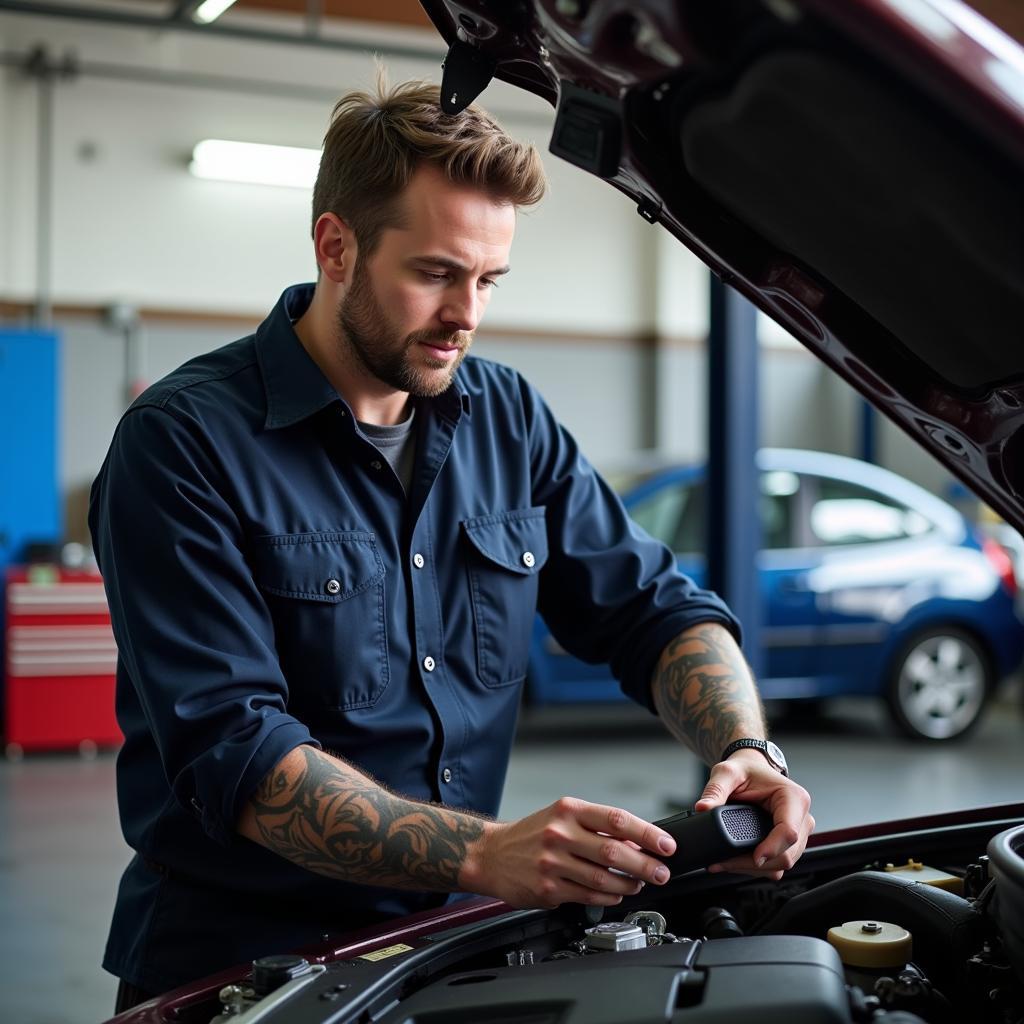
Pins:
<point x="326" y="595"/>
<point x="506" y="552"/>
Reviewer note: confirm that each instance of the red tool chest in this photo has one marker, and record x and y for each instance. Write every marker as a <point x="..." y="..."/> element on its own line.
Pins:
<point x="60" y="662"/>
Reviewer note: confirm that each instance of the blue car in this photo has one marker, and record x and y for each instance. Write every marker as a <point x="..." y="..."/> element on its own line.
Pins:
<point x="871" y="585"/>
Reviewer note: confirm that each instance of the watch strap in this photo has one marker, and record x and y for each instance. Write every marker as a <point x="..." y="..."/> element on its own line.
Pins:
<point x="749" y="743"/>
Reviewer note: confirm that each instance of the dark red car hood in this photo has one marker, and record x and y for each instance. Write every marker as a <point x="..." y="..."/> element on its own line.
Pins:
<point x="854" y="167"/>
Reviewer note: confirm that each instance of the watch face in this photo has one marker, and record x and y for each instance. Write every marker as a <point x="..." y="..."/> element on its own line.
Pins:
<point x="773" y="751"/>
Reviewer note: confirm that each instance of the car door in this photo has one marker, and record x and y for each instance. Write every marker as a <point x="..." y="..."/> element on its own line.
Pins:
<point x="873" y="551"/>
<point x="789" y="620"/>
<point x="658" y="502"/>
<point x="671" y="506"/>
<point x="668" y="504"/>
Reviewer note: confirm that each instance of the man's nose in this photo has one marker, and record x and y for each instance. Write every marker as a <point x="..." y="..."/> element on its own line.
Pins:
<point x="462" y="309"/>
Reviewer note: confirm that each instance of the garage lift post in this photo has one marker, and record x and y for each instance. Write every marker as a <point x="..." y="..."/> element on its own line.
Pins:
<point x="733" y="494"/>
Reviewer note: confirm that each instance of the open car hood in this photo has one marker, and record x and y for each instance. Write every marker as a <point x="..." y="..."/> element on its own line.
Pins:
<point x="854" y="167"/>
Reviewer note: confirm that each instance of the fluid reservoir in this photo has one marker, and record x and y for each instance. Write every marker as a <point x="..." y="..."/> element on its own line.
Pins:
<point x="871" y="950"/>
<point x="916" y="871"/>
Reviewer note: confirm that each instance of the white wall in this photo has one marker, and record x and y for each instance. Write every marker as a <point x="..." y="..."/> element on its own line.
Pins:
<point x="132" y="225"/>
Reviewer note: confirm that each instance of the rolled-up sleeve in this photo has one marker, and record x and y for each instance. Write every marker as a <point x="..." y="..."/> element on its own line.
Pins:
<point x="610" y="592"/>
<point x="194" y="635"/>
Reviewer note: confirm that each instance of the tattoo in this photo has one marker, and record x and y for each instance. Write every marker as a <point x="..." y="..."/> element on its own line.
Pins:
<point x="704" y="692"/>
<point x="325" y="816"/>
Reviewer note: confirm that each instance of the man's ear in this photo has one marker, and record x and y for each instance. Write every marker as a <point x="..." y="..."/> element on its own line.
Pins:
<point x="335" y="245"/>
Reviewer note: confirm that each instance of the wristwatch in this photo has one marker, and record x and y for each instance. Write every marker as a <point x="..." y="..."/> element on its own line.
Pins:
<point x="772" y="753"/>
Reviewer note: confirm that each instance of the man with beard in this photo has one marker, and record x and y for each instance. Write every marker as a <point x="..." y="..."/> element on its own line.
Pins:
<point x="324" y="546"/>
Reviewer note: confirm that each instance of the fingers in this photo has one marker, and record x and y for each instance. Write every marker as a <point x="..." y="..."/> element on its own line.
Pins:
<point x="596" y="878"/>
<point x="564" y="890"/>
<point x="610" y="857"/>
<point x="570" y="851"/>
<point x="606" y="846"/>
<point x="614" y="821"/>
<point x="779" y="852"/>
<point x="790" y="806"/>
<point x="724" y="780"/>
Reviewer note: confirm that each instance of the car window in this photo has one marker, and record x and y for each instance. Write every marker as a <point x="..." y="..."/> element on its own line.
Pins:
<point x="660" y="512"/>
<point x="676" y="514"/>
<point x="846" y="513"/>
<point x="779" y="495"/>
<point x="690" y="533"/>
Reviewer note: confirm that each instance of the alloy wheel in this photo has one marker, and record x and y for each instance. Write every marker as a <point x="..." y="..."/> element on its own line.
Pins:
<point x="940" y="685"/>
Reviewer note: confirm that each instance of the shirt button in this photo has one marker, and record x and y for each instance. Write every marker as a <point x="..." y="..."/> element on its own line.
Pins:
<point x="528" y="560"/>
<point x="429" y="663"/>
<point x="376" y="464"/>
<point x="418" y="560"/>
<point x="447" y="775"/>
<point x="332" y="587"/>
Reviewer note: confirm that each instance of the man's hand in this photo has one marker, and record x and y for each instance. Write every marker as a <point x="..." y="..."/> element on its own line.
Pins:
<point x="572" y="851"/>
<point x="748" y="778"/>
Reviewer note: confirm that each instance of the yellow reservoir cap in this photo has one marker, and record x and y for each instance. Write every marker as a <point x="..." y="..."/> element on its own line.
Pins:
<point x="918" y="872"/>
<point x="871" y="944"/>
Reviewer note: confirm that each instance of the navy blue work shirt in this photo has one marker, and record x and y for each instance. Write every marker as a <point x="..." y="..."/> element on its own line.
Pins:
<point x="271" y="584"/>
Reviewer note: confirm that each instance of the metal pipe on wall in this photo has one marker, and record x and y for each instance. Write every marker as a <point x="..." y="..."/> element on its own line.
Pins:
<point x="131" y="19"/>
<point x="231" y="83"/>
<point x="44" y="205"/>
<point x="38" y="65"/>
<point x="314" y="16"/>
<point x="126" y="321"/>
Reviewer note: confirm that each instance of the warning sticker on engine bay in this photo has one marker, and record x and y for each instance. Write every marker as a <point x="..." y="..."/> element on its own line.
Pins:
<point x="383" y="954"/>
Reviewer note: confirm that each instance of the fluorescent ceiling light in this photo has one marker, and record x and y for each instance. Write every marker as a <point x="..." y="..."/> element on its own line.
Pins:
<point x="254" y="163"/>
<point x="210" y="10"/>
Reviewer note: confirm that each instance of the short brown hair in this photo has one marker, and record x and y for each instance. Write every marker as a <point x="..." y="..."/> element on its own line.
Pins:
<point x="376" y="142"/>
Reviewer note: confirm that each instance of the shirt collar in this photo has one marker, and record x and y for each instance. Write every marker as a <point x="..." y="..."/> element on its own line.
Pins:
<point x="296" y="387"/>
<point x="452" y="404"/>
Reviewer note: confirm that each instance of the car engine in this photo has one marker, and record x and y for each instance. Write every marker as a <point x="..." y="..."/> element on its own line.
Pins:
<point x="892" y="941"/>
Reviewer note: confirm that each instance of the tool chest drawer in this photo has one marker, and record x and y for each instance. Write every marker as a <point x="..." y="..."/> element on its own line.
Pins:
<point x="60" y="660"/>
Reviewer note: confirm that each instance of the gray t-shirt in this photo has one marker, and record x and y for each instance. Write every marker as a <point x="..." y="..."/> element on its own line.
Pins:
<point x="397" y="444"/>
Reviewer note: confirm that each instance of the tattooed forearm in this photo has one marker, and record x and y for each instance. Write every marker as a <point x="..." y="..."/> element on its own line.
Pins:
<point x="704" y="692"/>
<point x="323" y="814"/>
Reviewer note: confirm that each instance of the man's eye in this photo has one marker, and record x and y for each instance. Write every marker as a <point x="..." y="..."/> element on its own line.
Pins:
<point x="488" y="282"/>
<point x="432" y="275"/>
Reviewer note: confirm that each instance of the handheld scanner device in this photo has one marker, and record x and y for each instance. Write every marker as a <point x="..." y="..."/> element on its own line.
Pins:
<point x="708" y="837"/>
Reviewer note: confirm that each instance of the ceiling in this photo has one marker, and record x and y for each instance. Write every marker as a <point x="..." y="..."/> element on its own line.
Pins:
<point x="1007" y="14"/>
<point x="398" y="12"/>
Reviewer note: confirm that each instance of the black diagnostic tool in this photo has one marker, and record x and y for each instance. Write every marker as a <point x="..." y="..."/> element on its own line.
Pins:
<point x="709" y="837"/>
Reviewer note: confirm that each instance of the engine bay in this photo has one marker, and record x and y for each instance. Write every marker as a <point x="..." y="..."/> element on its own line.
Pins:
<point x="921" y="925"/>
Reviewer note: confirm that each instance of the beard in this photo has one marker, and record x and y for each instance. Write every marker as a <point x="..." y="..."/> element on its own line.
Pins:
<point x="364" y="330"/>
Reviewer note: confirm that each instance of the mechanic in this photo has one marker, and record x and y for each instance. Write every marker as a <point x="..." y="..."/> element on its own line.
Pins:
<point x="324" y="546"/>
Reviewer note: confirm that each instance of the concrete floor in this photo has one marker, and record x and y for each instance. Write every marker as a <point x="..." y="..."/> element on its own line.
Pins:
<point x="61" y="852"/>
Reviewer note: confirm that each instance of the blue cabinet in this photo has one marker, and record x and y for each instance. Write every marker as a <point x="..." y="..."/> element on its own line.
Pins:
<point x="30" y="507"/>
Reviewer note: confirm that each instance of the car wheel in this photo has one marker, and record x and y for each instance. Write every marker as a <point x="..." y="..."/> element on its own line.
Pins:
<point x="939" y="684"/>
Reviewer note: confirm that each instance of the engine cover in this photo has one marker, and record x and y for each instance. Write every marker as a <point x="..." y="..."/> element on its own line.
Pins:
<point x="773" y="979"/>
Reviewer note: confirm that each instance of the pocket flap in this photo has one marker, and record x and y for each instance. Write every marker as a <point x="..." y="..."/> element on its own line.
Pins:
<point x="318" y="566"/>
<point x="517" y="541"/>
